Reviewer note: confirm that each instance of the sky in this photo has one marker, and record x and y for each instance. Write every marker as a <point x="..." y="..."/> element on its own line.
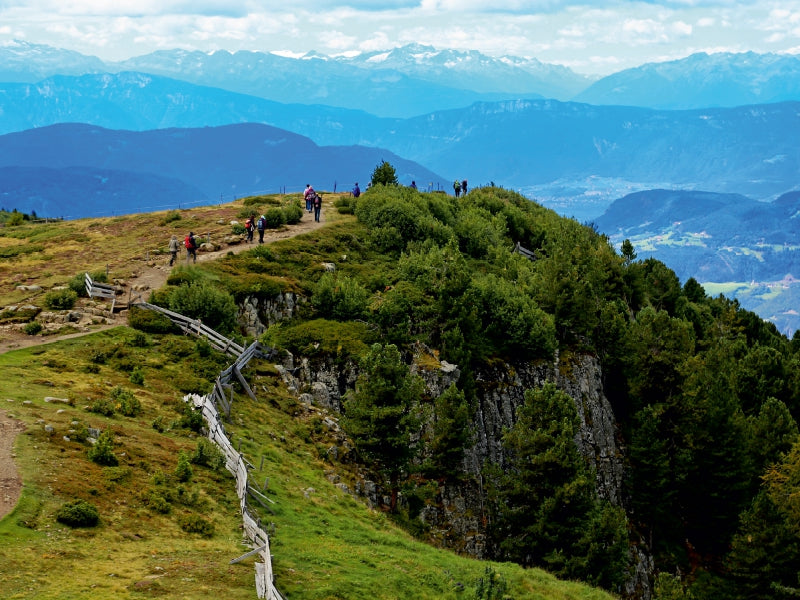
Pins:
<point x="593" y="37"/>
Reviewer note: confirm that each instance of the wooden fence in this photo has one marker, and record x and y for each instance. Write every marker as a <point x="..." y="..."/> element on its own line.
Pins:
<point x="235" y="462"/>
<point x="100" y="290"/>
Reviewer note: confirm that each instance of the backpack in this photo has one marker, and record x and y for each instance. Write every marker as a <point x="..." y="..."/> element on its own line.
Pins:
<point x="317" y="200"/>
<point x="248" y="224"/>
<point x="189" y="242"/>
<point x="262" y="224"/>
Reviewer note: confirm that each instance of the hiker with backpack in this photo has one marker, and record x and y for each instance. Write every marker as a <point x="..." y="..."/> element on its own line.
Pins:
<point x="262" y="225"/>
<point x="309" y="195"/>
<point x="457" y="187"/>
<point x="191" y="247"/>
<point x="317" y="206"/>
<point x="249" y="226"/>
<point x="174" y="248"/>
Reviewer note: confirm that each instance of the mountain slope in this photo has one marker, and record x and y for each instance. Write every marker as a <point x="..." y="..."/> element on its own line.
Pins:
<point x="748" y="150"/>
<point x="225" y="161"/>
<point x="701" y="80"/>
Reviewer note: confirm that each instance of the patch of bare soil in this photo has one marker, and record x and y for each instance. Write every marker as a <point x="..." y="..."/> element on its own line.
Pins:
<point x="10" y="481"/>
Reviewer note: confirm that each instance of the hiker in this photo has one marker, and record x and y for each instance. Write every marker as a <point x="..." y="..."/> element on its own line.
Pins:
<point x="174" y="248"/>
<point x="249" y="226"/>
<point x="309" y="196"/>
<point x="464" y="187"/>
<point x="457" y="187"/>
<point x="413" y="184"/>
<point x="356" y="191"/>
<point x="317" y="206"/>
<point x="191" y="247"/>
<point x="262" y="225"/>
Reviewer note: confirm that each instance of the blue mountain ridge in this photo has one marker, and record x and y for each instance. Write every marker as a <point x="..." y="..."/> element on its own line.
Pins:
<point x="162" y="167"/>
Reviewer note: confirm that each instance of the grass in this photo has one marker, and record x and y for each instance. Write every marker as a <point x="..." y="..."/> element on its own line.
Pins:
<point x="326" y="543"/>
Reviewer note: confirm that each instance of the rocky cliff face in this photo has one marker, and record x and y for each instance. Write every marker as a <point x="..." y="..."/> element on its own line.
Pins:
<point x="256" y="314"/>
<point x="457" y="518"/>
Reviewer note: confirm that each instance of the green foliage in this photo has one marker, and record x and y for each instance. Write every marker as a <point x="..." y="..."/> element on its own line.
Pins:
<point x="78" y="513"/>
<point x="204" y="301"/>
<point x="275" y="217"/>
<point x="183" y="470"/>
<point x="125" y="401"/>
<point x="171" y="217"/>
<point x="320" y="337"/>
<point x="149" y="321"/>
<point x="208" y="455"/>
<point x="378" y="414"/>
<point x="238" y="229"/>
<point x="384" y="174"/>
<point x="60" y="299"/>
<point x="450" y="434"/>
<point x="491" y="586"/>
<point x="137" y="376"/>
<point x="32" y="328"/>
<point x="102" y="452"/>
<point x="191" y="419"/>
<point x="340" y="297"/>
<point x="543" y="503"/>
<point x="292" y="213"/>
<point x="193" y="523"/>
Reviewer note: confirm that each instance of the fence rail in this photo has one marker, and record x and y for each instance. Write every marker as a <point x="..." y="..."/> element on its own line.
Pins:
<point x="235" y="462"/>
<point x="95" y="289"/>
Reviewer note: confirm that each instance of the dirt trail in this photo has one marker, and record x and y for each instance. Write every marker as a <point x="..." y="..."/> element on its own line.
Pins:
<point x="152" y="276"/>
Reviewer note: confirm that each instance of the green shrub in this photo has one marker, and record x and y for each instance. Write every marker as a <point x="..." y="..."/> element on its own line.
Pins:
<point x="213" y="306"/>
<point x="293" y="213"/>
<point x="137" y="376"/>
<point x="183" y="470"/>
<point x="191" y="419"/>
<point x="78" y="513"/>
<point x="340" y="297"/>
<point x="139" y="340"/>
<point x="208" y="454"/>
<point x="33" y="328"/>
<point x="171" y="217"/>
<point x="125" y="402"/>
<point x="60" y="299"/>
<point x="103" y="406"/>
<point x="196" y="524"/>
<point x="344" y="205"/>
<point x="102" y="452"/>
<point x="275" y="218"/>
<point x="149" y="321"/>
<point x="238" y="229"/>
<point x="155" y="500"/>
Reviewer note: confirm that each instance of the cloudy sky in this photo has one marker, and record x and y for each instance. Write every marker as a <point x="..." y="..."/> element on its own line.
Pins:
<point x="592" y="36"/>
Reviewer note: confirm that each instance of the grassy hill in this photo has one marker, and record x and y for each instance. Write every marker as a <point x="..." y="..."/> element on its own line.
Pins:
<point x="161" y="533"/>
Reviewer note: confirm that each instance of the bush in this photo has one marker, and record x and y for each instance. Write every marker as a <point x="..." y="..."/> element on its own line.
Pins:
<point x="183" y="470"/>
<point x="275" y="218"/>
<point x="191" y="419"/>
<point x="208" y="454"/>
<point x="214" y="307"/>
<point x="102" y="452"/>
<point x="340" y="297"/>
<point x="149" y="321"/>
<point x="60" y="299"/>
<point x="32" y="328"/>
<point x="124" y="401"/>
<point x="103" y="406"/>
<point x="137" y="376"/>
<point x="293" y="213"/>
<point x="78" y="513"/>
<point x="171" y="217"/>
<point x="238" y="229"/>
<point x="196" y="524"/>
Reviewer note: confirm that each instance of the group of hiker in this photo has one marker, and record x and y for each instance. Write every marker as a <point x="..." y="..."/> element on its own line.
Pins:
<point x="313" y="200"/>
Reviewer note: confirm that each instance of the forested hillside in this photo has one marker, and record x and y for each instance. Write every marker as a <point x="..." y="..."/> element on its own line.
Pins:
<point x="705" y="394"/>
<point x="469" y="379"/>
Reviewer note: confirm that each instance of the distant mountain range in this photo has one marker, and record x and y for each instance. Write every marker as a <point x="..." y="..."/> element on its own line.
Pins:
<point x="415" y="79"/>
<point x="77" y="170"/>
<point x="750" y="150"/>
